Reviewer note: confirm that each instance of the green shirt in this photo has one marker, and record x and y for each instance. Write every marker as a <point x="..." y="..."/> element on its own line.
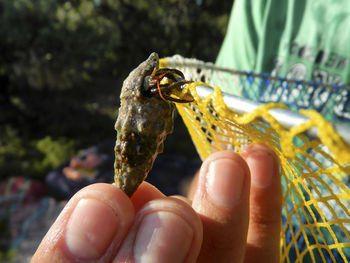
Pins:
<point x="301" y="39"/>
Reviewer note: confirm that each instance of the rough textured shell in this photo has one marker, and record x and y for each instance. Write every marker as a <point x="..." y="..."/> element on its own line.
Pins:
<point x="142" y="125"/>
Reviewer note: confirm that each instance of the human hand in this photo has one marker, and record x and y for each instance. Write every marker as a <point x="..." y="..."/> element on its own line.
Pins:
<point x="233" y="215"/>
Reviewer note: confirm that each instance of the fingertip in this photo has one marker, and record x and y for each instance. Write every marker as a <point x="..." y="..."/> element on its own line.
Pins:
<point x="108" y="193"/>
<point x="90" y="229"/>
<point x="145" y="193"/>
<point x="165" y="230"/>
<point x="182" y="198"/>
<point x="225" y="155"/>
<point x="258" y="147"/>
<point x="197" y="182"/>
<point x="263" y="165"/>
<point x="222" y="201"/>
<point x="92" y="225"/>
<point x="223" y="180"/>
<point x="265" y="204"/>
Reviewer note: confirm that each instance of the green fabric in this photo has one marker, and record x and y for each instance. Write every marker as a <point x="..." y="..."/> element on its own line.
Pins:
<point x="304" y="39"/>
<point x="301" y="39"/>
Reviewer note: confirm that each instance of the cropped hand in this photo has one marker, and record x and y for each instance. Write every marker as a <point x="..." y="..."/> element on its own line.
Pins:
<point x="232" y="214"/>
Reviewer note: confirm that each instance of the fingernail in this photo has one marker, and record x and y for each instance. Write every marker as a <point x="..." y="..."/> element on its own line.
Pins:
<point x="262" y="166"/>
<point x="225" y="182"/>
<point x="91" y="228"/>
<point x="162" y="237"/>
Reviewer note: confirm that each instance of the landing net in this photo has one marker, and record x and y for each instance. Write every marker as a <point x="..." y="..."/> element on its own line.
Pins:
<point x="315" y="171"/>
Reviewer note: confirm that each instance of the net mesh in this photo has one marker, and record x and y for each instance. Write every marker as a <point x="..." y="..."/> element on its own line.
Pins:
<point x="316" y="195"/>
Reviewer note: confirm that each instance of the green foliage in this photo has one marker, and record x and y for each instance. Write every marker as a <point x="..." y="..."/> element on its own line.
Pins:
<point x="12" y="150"/>
<point x="55" y="152"/>
<point x="62" y="65"/>
<point x="7" y="256"/>
<point x="10" y="142"/>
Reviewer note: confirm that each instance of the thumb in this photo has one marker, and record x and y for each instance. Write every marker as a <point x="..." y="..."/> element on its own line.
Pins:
<point x="90" y="227"/>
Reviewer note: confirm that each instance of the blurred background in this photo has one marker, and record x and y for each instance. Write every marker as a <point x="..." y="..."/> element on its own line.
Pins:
<point x="62" y="64"/>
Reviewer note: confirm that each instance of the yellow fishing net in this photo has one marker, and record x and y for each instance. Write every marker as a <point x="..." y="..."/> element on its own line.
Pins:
<point x="315" y="171"/>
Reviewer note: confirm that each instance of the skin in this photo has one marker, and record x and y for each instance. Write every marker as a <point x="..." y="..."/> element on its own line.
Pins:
<point x="232" y="214"/>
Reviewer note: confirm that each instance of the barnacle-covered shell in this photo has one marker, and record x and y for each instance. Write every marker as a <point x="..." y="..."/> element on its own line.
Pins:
<point x="142" y="126"/>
